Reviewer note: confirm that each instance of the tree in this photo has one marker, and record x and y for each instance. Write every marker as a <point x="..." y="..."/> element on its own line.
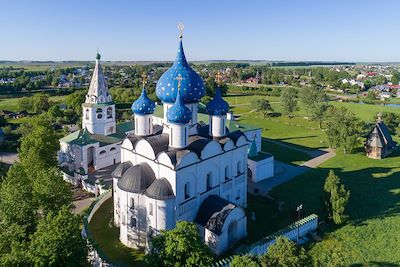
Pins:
<point x="392" y="121"/>
<point x="16" y="202"/>
<point x="50" y="191"/>
<point x="315" y="102"/>
<point x="343" y="129"/>
<point x="261" y="105"/>
<point x="289" y="100"/>
<point x="40" y="103"/>
<point x="74" y="101"/>
<point x="58" y="241"/>
<point x="55" y="113"/>
<point x="244" y="261"/>
<point x="40" y="146"/>
<point x="181" y="246"/>
<point x="285" y="253"/>
<point x="337" y="198"/>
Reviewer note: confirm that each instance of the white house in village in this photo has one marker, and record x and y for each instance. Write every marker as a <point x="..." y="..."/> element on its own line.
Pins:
<point x="177" y="161"/>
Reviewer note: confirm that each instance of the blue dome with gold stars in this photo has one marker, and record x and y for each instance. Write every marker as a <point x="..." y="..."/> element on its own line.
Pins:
<point x="217" y="106"/>
<point x="192" y="86"/>
<point x="143" y="105"/>
<point x="178" y="113"/>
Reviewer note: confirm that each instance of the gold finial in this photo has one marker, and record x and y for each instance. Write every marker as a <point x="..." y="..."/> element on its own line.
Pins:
<point x="179" y="78"/>
<point x="218" y="77"/>
<point x="180" y="28"/>
<point x="144" y="78"/>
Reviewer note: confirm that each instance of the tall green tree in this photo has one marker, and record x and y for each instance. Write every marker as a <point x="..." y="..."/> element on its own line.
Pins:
<point x="261" y="105"/>
<point x="244" y="261"/>
<point x="337" y="198"/>
<point x="16" y="202"/>
<point x="74" y="101"/>
<point x="50" y="191"/>
<point x="39" y="146"/>
<point x="58" y="241"/>
<point x="289" y="100"/>
<point x="315" y="102"/>
<point x="181" y="246"/>
<point x="343" y="129"/>
<point x="285" y="253"/>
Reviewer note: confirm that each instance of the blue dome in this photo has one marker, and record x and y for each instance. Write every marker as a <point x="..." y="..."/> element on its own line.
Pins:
<point x="178" y="113"/>
<point x="192" y="86"/>
<point x="143" y="105"/>
<point x="217" y="106"/>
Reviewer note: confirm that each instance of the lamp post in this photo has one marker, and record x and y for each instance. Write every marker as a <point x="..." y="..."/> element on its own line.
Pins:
<point x="298" y="209"/>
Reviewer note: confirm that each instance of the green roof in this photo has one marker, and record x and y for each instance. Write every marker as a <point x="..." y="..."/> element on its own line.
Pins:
<point x="84" y="137"/>
<point x="100" y="105"/>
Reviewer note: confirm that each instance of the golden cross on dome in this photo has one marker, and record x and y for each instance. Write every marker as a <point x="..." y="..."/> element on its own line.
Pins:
<point x="179" y="78"/>
<point x="144" y="79"/>
<point x="218" y="77"/>
<point x="180" y="28"/>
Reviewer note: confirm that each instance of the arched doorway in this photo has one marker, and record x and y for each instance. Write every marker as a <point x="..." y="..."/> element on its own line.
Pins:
<point x="232" y="233"/>
<point x="91" y="158"/>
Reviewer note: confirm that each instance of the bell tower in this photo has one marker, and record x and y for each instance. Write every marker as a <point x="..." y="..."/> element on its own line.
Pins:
<point x="98" y="115"/>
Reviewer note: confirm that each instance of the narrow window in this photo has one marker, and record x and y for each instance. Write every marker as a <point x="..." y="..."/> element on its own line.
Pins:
<point x="209" y="181"/>
<point x="133" y="222"/>
<point x="123" y="219"/>
<point x="239" y="167"/>
<point x="102" y="152"/>
<point x="226" y="172"/>
<point x="238" y="195"/>
<point x="87" y="114"/>
<point x="151" y="209"/>
<point x="187" y="190"/>
<point x="109" y="112"/>
<point x="132" y="203"/>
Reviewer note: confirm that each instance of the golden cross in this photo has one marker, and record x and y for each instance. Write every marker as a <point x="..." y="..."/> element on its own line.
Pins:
<point x="144" y="79"/>
<point x="179" y="78"/>
<point x="218" y="77"/>
<point x="180" y="28"/>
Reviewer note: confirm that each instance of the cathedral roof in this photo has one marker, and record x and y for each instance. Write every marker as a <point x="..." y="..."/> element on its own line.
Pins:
<point x="98" y="90"/>
<point x="137" y="178"/>
<point x="121" y="168"/>
<point x="178" y="113"/>
<point x="160" y="189"/>
<point x="143" y="105"/>
<point x="192" y="84"/>
<point x="213" y="212"/>
<point x="217" y="106"/>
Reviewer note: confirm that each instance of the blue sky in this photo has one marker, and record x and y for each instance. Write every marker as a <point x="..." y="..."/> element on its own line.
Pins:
<point x="352" y="30"/>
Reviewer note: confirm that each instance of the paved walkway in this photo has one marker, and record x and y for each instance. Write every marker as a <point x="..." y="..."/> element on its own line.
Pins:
<point x="8" y="157"/>
<point x="284" y="172"/>
<point x="82" y="204"/>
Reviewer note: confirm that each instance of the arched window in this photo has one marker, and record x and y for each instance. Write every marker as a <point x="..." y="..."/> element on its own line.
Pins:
<point x="112" y="149"/>
<point x="132" y="203"/>
<point x="133" y="222"/>
<point x="226" y="172"/>
<point x="187" y="190"/>
<point x="239" y="167"/>
<point x="209" y="181"/>
<point x="151" y="209"/>
<point x="102" y="152"/>
<point x="109" y="112"/>
<point x="99" y="110"/>
<point x="238" y="195"/>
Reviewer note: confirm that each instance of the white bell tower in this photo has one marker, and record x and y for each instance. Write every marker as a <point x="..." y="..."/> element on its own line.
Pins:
<point x="98" y="115"/>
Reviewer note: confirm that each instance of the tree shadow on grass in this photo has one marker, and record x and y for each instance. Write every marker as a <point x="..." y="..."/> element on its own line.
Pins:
<point x="375" y="264"/>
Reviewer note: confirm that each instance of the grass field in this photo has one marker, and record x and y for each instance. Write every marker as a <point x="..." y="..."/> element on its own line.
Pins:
<point x="107" y="236"/>
<point x="12" y="103"/>
<point x="40" y="66"/>
<point x="371" y="236"/>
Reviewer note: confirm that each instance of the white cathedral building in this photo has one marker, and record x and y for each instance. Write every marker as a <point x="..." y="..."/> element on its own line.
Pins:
<point x="168" y="168"/>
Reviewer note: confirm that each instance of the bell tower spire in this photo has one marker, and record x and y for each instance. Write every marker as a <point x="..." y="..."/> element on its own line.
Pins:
<point x="98" y="109"/>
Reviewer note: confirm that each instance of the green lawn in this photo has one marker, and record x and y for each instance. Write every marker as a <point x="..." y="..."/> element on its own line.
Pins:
<point x="287" y="155"/>
<point x="371" y="237"/>
<point x="107" y="236"/>
<point x="12" y="103"/>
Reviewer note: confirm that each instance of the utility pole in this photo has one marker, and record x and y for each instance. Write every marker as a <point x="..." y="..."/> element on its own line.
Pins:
<point x="298" y="209"/>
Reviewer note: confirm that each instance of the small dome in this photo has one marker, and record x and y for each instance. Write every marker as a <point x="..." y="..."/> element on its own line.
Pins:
<point x="121" y="168"/>
<point x="160" y="189"/>
<point x="178" y="113"/>
<point x="143" y="105"/>
<point x="217" y="106"/>
<point x="137" y="178"/>
<point x="192" y="84"/>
